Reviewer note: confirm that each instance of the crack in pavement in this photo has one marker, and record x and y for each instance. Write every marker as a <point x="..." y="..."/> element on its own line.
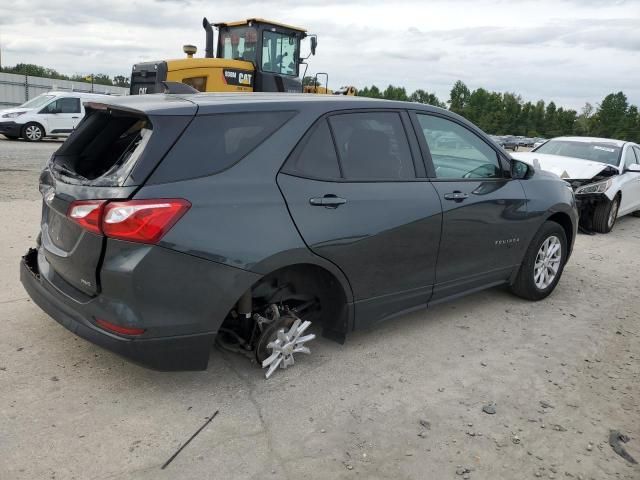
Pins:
<point x="281" y="461"/>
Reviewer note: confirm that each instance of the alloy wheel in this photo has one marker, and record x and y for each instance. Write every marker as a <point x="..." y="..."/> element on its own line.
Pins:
<point x="548" y="262"/>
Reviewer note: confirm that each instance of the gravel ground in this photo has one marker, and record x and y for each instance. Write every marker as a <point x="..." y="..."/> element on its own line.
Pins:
<point x="404" y="400"/>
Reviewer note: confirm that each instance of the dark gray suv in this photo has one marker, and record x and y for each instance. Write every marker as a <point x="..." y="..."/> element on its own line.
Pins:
<point x="169" y="221"/>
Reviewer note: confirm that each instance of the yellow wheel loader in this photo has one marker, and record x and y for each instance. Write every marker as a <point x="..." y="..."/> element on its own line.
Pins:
<point x="251" y="55"/>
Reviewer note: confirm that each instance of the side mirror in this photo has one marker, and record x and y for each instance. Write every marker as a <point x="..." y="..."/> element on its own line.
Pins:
<point x="520" y="170"/>
<point x="634" y="167"/>
<point x="314" y="44"/>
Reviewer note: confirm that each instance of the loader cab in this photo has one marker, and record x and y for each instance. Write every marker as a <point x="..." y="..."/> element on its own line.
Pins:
<point x="251" y="55"/>
<point x="273" y="49"/>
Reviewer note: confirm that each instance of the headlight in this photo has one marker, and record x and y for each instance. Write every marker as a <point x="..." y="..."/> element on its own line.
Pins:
<point x="13" y="114"/>
<point x="598" y="187"/>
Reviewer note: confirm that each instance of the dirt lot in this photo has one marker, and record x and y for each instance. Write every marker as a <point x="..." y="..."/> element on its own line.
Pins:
<point x="562" y="373"/>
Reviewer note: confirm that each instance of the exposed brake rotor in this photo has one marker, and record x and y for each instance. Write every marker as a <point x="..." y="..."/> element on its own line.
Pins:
<point x="286" y="343"/>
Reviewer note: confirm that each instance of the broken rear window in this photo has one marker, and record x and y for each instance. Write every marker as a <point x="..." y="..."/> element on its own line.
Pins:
<point x="103" y="149"/>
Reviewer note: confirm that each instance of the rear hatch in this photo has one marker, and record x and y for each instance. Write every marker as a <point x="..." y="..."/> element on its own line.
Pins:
<point x="109" y="155"/>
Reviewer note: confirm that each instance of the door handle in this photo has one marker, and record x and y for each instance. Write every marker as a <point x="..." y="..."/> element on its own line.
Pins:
<point x="328" y="201"/>
<point x="457" y="196"/>
<point x="75" y="117"/>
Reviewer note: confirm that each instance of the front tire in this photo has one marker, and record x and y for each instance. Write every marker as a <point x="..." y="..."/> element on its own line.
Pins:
<point x="543" y="263"/>
<point x="605" y="215"/>
<point x="32" y="132"/>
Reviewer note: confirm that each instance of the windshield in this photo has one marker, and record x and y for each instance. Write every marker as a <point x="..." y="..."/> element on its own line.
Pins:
<point x="239" y="43"/>
<point x="594" y="151"/>
<point x="39" y="101"/>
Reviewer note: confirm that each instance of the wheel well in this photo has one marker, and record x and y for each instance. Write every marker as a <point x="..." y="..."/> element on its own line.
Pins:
<point x="300" y="281"/>
<point x="564" y="221"/>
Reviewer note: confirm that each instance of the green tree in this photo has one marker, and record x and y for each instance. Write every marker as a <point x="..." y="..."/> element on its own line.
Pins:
<point x="458" y="97"/>
<point x="372" y="92"/>
<point x="121" y="81"/>
<point x="306" y="81"/>
<point x="422" y="96"/>
<point x="631" y="125"/>
<point x="584" y="120"/>
<point x="506" y="113"/>
<point x="566" y="121"/>
<point x="511" y="107"/>
<point x="611" y="115"/>
<point x="45" y="72"/>
<point x="395" y="93"/>
<point x="35" y="71"/>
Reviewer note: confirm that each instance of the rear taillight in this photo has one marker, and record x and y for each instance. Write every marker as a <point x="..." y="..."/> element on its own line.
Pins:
<point x="87" y="214"/>
<point x="143" y="221"/>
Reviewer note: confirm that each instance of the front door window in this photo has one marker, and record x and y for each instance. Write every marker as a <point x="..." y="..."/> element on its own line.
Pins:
<point x="457" y="152"/>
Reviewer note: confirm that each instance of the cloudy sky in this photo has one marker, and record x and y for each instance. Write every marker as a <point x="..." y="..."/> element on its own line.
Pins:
<point x="569" y="51"/>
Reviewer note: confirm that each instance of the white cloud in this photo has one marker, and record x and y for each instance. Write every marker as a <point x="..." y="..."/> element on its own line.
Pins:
<point x="568" y="51"/>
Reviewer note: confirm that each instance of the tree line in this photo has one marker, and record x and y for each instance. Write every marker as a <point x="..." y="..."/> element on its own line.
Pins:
<point x="494" y="112"/>
<point x="38" y="71"/>
<point x="507" y="114"/>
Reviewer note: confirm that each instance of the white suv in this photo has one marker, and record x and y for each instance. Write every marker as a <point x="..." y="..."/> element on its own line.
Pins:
<point x="51" y="114"/>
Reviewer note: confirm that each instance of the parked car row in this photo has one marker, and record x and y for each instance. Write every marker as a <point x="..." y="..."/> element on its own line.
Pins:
<point x="511" y="142"/>
<point x="51" y="114"/>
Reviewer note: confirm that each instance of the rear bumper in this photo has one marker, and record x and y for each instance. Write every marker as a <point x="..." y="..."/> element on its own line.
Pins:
<point x="184" y="352"/>
<point x="11" y="129"/>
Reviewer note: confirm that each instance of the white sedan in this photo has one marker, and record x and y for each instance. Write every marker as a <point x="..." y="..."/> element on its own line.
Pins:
<point x="604" y="173"/>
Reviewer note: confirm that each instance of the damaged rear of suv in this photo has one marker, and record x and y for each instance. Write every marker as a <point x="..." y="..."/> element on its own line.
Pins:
<point x="104" y="266"/>
<point x="96" y="242"/>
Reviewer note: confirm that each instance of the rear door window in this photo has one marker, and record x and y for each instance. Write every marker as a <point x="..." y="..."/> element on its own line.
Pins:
<point x="315" y="157"/>
<point x="69" y="105"/>
<point x="372" y="146"/>
<point x="456" y="152"/>
<point x="213" y="143"/>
